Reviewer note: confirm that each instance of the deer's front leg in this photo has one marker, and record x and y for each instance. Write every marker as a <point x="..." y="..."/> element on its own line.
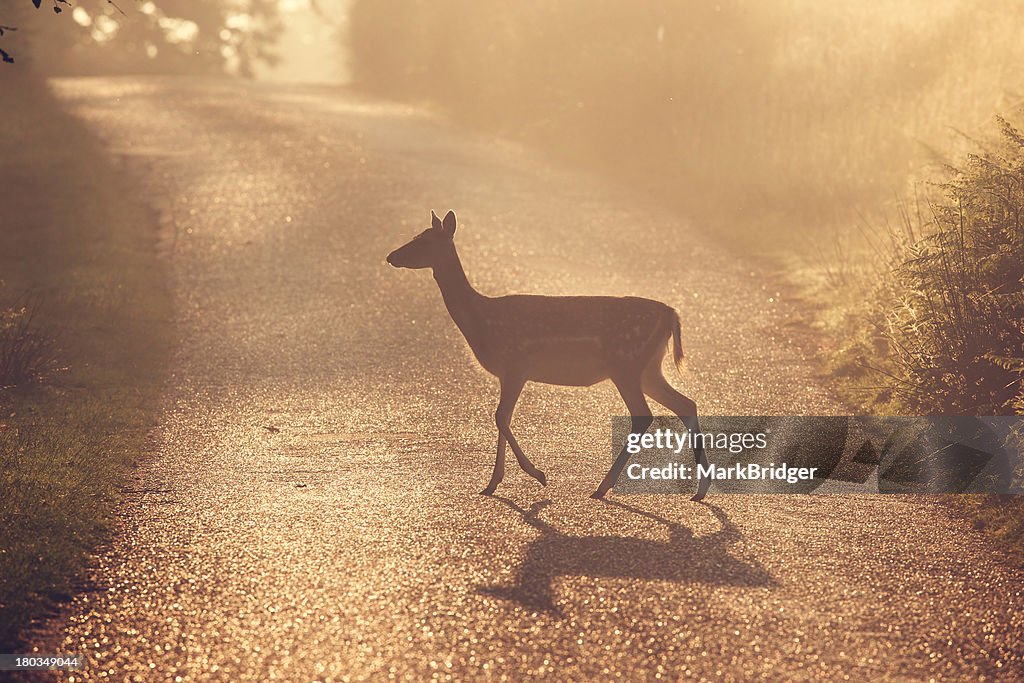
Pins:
<point x="511" y="388"/>
<point x="499" y="467"/>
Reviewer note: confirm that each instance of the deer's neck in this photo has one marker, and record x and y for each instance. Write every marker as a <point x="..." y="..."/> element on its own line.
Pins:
<point x="461" y="300"/>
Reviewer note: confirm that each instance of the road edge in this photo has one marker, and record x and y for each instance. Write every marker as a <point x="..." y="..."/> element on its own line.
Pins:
<point x="86" y="248"/>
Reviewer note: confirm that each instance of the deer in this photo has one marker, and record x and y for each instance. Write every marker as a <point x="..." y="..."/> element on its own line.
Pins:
<point x="560" y="340"/>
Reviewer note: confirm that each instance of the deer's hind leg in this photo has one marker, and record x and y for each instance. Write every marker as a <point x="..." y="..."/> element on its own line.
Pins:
<point x="657" y="387"/>
<point x="632" y="393"/>
<point x="510" y="391"/>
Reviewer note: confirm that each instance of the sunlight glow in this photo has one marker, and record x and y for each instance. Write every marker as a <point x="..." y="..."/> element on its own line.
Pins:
<point x="104" y="28"/>
<point x="239" y="22"/>
<point x="179" y="31"/>
<point x="81" y="17"/>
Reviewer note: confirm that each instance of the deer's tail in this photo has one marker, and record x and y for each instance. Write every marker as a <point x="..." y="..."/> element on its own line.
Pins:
<point x="677" y="342"/>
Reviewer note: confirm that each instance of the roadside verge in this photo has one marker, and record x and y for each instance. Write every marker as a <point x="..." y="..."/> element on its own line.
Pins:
<point x="78" y="251"/>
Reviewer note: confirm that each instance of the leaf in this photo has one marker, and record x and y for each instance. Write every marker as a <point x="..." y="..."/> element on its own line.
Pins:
<point x="1005" y="362"/>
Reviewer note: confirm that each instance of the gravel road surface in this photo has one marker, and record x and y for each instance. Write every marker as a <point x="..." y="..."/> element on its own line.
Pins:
<point x="310" y="508"/>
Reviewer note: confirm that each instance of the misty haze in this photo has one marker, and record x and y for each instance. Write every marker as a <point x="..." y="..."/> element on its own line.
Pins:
<point x="315" y="316"/>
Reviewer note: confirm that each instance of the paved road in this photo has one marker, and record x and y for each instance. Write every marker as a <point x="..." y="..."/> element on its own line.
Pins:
<point x="352" y="543"/>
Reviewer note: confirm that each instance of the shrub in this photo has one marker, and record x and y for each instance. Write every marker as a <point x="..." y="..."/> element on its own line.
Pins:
<point x="26" y="355"/>
<point x="956" y="328"/>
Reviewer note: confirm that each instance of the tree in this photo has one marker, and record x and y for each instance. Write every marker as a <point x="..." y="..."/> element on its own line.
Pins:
<point x="157" y="36"/>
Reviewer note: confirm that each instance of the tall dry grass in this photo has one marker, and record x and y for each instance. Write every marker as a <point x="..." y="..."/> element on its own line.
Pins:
<point x="27" y="354"/>
<point x="956" y="324"/>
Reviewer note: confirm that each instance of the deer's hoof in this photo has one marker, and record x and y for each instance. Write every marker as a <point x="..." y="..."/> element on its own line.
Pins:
<point x="542" y="478"/>
<point x="489" y="491"/>
<point x="597" y="495"/>
<point x="702" y="490"/>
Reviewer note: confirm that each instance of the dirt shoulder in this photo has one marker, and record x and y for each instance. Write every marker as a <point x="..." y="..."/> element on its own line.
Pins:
<point x="79" y="250"/>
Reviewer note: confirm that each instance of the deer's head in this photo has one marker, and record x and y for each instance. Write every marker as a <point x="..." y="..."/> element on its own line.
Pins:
<point x="429" y="248"/>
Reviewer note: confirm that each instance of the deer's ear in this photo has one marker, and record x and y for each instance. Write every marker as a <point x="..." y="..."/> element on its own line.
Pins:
<point x="449" y="223"/>
<point x="434" y="220"/>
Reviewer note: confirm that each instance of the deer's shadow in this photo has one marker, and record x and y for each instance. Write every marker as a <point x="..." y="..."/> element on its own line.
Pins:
<point x="683" y="558"/>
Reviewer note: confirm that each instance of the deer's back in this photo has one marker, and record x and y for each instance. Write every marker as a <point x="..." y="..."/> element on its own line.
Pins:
<point x="572" y="340"/>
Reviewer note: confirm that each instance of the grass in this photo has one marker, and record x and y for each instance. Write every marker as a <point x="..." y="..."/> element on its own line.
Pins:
<point x="929" y="318"/>
<point x="936" y="325"/>
<point x="26" y="353"/>
<point x="83" y="348"/>
<point x="1000" y="518"/>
